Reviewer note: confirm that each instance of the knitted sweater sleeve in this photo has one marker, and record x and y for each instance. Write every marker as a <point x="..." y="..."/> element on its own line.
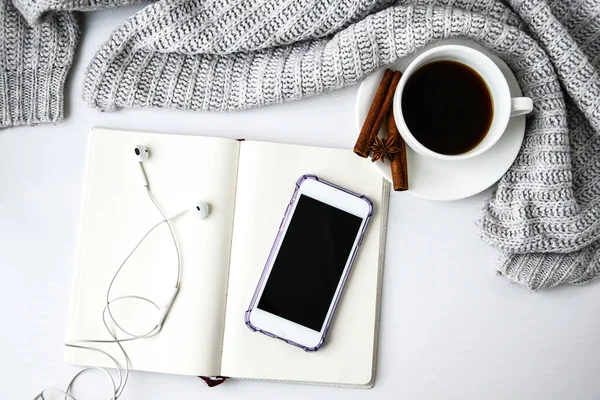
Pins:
<point x="37" y="11"/>
<point x="34" y="62"/>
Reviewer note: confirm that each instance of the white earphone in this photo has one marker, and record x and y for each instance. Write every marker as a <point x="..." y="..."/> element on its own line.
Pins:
<point x="201" y="209"/>
<point x="142" y="154"/>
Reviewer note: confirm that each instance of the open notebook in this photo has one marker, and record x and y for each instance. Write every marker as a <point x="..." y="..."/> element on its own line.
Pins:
<point x="248" y="185"/>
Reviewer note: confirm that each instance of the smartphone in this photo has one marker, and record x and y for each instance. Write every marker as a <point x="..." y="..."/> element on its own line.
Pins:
<point x="309" y="263"/>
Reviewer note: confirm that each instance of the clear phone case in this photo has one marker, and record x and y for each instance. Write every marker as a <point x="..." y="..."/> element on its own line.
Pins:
<point x="270" y="260"/>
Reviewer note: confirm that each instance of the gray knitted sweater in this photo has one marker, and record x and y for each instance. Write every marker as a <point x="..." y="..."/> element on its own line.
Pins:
<point x="232" y="55"/>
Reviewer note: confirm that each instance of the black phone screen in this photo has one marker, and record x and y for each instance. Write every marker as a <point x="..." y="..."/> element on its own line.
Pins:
<point x="310" y="262"/>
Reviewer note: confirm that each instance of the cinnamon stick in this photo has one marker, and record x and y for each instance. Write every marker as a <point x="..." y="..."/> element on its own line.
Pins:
<point x="399" y="164"/>
<point x="364" y="138"/>
<point x="386" y="107"/>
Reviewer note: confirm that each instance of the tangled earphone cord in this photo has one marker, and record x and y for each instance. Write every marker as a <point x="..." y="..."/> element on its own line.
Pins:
<point x="123" y="373"/>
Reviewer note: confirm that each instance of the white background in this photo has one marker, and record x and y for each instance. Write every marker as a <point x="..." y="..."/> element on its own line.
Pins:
<point x="450" y="328"/>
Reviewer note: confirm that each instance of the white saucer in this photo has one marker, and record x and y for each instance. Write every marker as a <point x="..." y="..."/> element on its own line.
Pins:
<point x="450" y="180"/>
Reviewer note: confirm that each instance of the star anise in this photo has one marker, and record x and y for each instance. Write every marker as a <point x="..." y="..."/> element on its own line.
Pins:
<point x="384" y="148"/>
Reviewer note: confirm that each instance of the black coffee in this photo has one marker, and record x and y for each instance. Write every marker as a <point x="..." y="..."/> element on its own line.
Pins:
<point x="447" y="107"/>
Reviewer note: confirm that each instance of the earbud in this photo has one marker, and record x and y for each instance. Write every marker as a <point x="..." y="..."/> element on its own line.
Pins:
<point x="142" y="154"/>
<point x="201" y="209"/>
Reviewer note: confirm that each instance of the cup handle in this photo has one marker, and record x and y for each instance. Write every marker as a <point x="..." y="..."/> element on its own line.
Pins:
<point x="520" y="106"/>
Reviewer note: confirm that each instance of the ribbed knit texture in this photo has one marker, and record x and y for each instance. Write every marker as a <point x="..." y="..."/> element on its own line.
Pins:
<point x="35" y="62"/>
<point x="231" y="55"/>
<point x="36" y="11"/>
<point x="37" y="47"/>
<point x="546" y="211"/>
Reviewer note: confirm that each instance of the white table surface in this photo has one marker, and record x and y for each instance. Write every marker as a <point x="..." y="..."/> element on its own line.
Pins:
<point x="450" y="328"/>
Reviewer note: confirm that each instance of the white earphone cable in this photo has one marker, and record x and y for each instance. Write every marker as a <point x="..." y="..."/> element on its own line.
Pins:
<point x="167" y="220"/>
<point x="123" y="373"/>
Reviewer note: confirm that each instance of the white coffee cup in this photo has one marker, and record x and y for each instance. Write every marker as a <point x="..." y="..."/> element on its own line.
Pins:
<point x="504" y="106"/>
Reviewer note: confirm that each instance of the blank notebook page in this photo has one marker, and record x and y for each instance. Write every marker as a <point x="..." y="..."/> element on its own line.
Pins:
<point x="266" y="181"/>
<point x="116" y="212"/>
